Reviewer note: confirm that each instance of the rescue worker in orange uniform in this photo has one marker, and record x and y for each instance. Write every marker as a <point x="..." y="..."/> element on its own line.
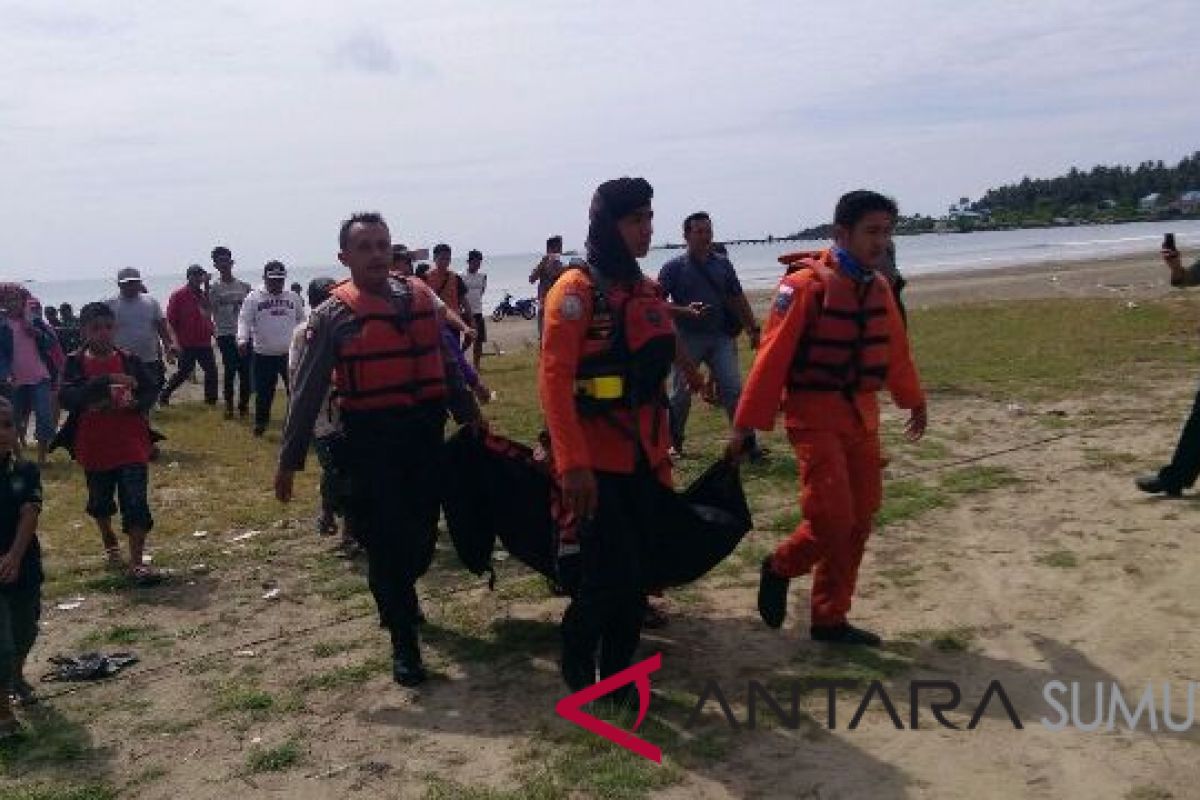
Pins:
<point x="378" y="338"/>
<point x="834" y="338"/>
<point x="608" y="345"/>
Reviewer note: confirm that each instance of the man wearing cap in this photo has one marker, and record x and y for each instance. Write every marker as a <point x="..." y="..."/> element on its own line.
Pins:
<point x="476" y="282"/>
<point x="226" y="296"/>
<point x="268" y="317"/>
<point x="190" y="314"/>
<point x="141" y="327"/>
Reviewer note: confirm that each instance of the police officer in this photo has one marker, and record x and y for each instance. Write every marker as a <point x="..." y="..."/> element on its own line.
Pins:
<point x="607" y="347"/>
<point x="378" y="338"/>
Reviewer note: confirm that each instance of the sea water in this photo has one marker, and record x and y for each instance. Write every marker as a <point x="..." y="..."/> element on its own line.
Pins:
<point x="756" y="264"/>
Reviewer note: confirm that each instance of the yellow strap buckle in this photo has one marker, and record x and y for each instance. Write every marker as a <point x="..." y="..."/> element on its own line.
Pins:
<point x="604" y="387"/>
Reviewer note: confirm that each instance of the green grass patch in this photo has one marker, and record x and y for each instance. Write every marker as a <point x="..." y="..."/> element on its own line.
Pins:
<point x="1059" y="559"/>
<point x="1044" y="349"/>
<point x="93" y="791"/>
<point x="331" y="649"/>
<point x="977" y="478"/>
<point x="234" y="698"/>
<point x="123" y="635"/>
<point x="274" y="759"/>
<point x="950" y="640"/>
<point x="347" y="676"/>
<point x="908" y="499"/>
<point x="1148" y="792"/>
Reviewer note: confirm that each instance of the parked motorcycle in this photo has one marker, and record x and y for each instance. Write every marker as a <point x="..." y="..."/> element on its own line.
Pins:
<point x="526" y="308"/>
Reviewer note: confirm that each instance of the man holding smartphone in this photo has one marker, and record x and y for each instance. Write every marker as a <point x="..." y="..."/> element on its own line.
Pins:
<point x="1184" y="468"/>
<point x="710" y="311"/>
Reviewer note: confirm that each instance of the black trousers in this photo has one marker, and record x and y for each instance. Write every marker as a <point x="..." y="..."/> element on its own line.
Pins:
<point x="188" y="359"/>
<point x="268" y="370"/>
<point x="605" y="617"/>
<point x="394" y="499"/>
<point x="157" y="371"/>
<point x="236" y="369"/>
<point x="1184" y="468"/>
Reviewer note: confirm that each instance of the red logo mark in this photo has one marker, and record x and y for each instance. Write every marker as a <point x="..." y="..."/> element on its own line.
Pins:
<point x="570" y="707"/>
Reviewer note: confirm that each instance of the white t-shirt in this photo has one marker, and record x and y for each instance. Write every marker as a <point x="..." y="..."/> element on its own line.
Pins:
<point x="476" y="283"/>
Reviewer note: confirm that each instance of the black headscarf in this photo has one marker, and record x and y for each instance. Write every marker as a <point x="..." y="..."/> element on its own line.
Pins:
<point x="606" y="250"/>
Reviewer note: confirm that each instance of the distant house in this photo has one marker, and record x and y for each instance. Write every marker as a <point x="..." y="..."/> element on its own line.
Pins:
<point x="1149" y="202"/>
<point x="1189" y="202"/>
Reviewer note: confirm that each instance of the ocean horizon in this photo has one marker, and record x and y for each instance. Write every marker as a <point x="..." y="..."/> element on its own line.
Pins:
<point x="756" y="264"/>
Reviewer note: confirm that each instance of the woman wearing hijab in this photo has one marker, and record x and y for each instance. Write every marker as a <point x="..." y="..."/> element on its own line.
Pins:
<point x="608" y="345"/>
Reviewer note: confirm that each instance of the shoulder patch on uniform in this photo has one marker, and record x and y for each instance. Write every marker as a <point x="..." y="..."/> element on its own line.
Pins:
<point x="571" y="306"/>
<point x="783" y="298"/>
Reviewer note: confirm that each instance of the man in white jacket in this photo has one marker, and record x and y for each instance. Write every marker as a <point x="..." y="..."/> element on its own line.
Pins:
<point x="268" y="317"/>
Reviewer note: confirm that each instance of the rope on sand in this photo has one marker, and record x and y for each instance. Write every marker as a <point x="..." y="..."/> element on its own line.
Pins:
<point x="157" y="671"/>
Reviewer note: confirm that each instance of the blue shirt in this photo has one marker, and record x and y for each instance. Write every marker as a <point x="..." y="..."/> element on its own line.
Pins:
<point x="683" y="283"/>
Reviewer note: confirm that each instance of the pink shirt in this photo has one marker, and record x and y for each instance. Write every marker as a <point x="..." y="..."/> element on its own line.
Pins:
<point x="28" y="367"/>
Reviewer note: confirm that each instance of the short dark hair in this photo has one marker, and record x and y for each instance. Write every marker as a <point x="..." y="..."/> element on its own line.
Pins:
<point x="853" y="206"/>
<point x="319" y="290"/>
<point x="93" y="311"/>
<point x="221" y="250"/>
<point x="421" y="269"/>
<point x="697" y="216"/>
<point x="441" y="248"/>
<point x="474" y="254"/>
<point x="360" y="218"/>
<point x="554" y="241"/>
<point x="271" y="265"/>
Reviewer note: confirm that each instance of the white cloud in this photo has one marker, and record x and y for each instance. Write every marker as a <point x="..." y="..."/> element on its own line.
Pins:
<point x="143" y="133"/>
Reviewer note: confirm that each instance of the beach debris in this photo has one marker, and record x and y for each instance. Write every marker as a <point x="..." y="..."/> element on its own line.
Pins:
<point x="256" y="740"/>
<point x="1131" y="304"/>
<point x="147" y="558"/>
<point x="88" y="667"/>
<point x="1054" y="279"/>
<point x="272" y="594"/>
<point x="245" y="654"/>
<point x="70" y="605"/>
<point x="173" y="465"/>
<point x="76" y="525"/>
<point x="241" y="537"/>
<point x="200" y="534"/>
<point x="1016" y="409"/>
<point x="199" y="569"/>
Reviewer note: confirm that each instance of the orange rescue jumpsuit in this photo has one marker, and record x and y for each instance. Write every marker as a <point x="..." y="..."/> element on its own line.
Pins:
<point x="835" y="437"/>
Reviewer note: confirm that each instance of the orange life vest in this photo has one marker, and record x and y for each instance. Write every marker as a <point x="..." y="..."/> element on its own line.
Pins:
<point x="395" y="361"/>
<point x="846" y="349"/>
<point x="447" y="290"/>
<point x="628" y="350"/>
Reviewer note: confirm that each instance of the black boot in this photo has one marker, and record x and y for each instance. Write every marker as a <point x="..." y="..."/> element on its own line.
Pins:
<point x="1154" y="484"/>
<point x="407" y="669"/>
<point x="772" y="595"/>
<point x="844" y="634"/>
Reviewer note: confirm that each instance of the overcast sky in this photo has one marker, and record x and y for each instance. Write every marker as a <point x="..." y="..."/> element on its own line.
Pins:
<point x="143" y="133"/>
